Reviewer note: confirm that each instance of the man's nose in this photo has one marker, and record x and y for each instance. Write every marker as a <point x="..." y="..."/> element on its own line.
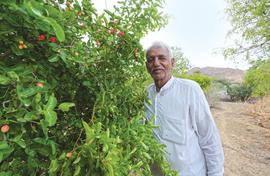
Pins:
<point x="156" y="61"/>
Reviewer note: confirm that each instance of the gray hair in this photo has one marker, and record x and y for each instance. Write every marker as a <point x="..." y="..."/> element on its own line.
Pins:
<point x="159" y="44"/>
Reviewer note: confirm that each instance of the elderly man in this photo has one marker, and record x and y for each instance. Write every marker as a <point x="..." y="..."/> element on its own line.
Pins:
<point x="180" y="109"/>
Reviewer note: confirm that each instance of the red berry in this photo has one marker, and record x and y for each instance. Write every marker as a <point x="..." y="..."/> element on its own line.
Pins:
<point x="21" y="46"/>
<point x="39" y="84"/>
<point x="41" y="37"/>
<point x="5" y="128"/>
<point x="79" y="13"/>
<point x="112" y="31"/>
<point x="69" y="155"/>
<point x="121" y="34"/>
<point x="52" y="39"/>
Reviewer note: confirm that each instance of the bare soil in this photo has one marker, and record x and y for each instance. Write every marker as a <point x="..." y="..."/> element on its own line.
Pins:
<point x="245" y="136"/>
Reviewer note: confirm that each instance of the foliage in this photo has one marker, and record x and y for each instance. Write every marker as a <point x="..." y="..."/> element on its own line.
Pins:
<point x="182" y="63"/>
<point x="71" y="89"/>
<point x="238" y="92"/>
<point x="203" y="80"/>
<point x="250" y="20"/>
<point x="258" y="78"/>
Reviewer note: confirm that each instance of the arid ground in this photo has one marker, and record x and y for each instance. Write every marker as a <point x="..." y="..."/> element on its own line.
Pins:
<point x="245" y="132"/>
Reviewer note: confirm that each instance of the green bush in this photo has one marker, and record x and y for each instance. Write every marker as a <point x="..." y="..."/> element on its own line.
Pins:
<point x="238" y="92"/>
<point x="203" y="80"/>
<point x="258" y="78"/>
<point x="74" y="106"/>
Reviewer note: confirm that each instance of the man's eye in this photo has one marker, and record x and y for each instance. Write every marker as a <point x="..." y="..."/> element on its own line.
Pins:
<point x="162" y="58"/>
<point x="150" y="59"/>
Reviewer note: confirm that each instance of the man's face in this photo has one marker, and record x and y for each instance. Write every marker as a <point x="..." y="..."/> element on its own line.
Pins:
<point x="159" y="64"/>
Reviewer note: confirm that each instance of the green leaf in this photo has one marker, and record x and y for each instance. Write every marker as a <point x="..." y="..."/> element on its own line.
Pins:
<point x="33" y="8"/>
<point x="18" y="140"/>
<point x="25" y="101"/>
<point x="40" y="141"/>
<point x="5" y="150"/>
<point x="37" y="98"/>
<point x="109" y="13"/>
<point x="77" y="170"/>
<point x="29" y="116"/>
<point x="13" y="75"/>
<point x="51" y="104"/>
<point x="44" y="150"/>
<point x="3" y="145"/>
<point x="63" y="55"/>
<point x="65" y="106"/>
<point x="89" y="132"/>
<point x="50" y="117"/>
<point x="25" y="92"/>
<point x="53" y="146"/>
<point x="44" y="126"/>
<point x="30" y="152"/>
<point x="59" y="32"/>
<point x="54" y="59"/>
<point x="53" y="12"/>
<point x="53" y="166"/>
<point x="77" y="160"/>
<point x="4" y="80"/>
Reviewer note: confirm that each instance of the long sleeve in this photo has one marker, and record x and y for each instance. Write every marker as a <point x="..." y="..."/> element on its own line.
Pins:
<point x="207" y="132"/>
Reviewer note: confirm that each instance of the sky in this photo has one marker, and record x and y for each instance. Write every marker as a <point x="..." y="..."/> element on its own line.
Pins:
<point x="198" y="27"/>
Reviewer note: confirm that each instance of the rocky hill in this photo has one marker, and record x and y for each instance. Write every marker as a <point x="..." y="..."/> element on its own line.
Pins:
<point x="230" y="74"/>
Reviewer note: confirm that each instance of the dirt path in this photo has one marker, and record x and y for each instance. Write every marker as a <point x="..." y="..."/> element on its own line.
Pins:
<point x="246" y="143"/>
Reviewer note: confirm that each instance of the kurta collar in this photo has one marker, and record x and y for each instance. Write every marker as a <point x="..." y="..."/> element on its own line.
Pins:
<point x="166" y="86"/>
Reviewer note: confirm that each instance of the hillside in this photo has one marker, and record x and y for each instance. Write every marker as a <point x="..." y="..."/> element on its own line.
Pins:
<point x="230" y="74"/>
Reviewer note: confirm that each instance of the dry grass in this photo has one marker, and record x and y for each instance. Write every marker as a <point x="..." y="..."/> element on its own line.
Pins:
<point x="261" y="111"/>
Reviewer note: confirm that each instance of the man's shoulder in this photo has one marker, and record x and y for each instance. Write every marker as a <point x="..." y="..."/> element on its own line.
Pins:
<point x="186" y="83"/>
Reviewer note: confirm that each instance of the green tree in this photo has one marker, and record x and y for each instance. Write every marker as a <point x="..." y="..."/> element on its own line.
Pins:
<point x="74" y="107"/>
<point x="251" y="20"/>
<point x="258" y="78"/>
<point x="182" y="62"/>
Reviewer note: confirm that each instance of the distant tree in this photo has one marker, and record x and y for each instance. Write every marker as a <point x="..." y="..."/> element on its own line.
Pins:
<point x="182" y="62"/>
<point x="251" y="20"/>
<point x="258" y="78"/>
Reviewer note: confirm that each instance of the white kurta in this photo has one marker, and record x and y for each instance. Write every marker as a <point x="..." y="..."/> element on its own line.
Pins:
<point x="186" y="127"/>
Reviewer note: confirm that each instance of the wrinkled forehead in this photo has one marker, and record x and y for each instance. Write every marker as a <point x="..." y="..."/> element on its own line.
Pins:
<point x="157" y="51"/>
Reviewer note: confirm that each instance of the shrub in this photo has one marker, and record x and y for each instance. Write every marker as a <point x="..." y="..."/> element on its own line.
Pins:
<point x="238" y="92"/>
<point x="74" y="107"/>
<point x="258" y="78"/>
<point x="203" y="80"/>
